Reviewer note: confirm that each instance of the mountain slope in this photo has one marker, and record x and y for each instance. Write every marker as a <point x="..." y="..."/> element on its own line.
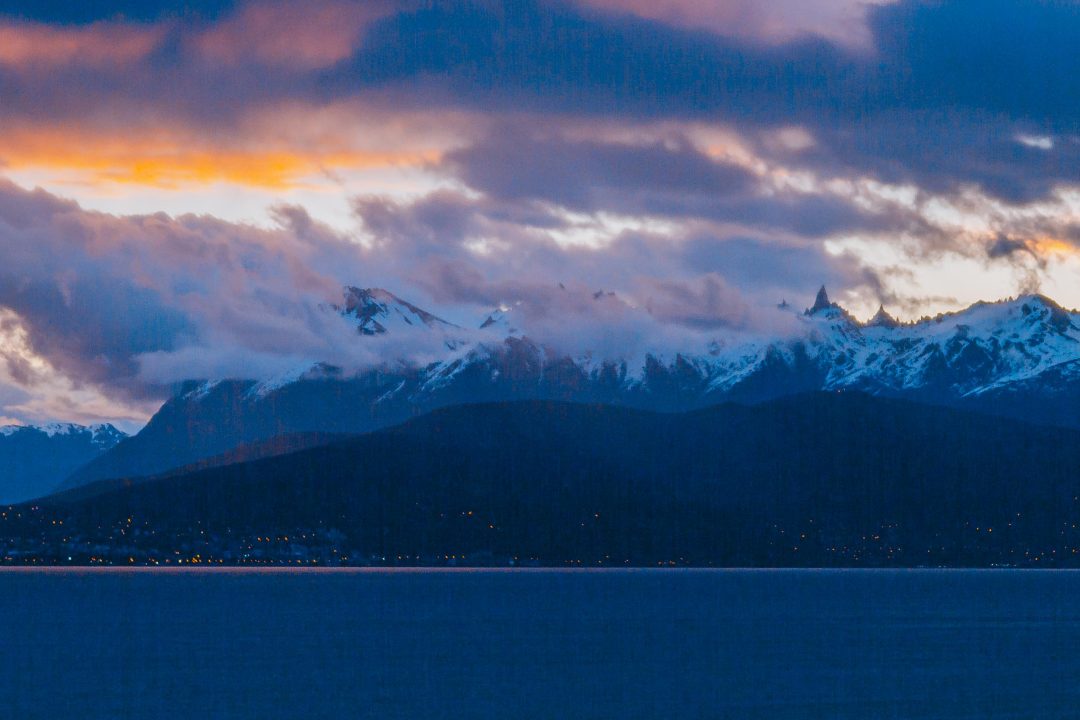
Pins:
<point x="35" y="460"/>
<point x="821" y="479"/>
<point x="275" y="446"/>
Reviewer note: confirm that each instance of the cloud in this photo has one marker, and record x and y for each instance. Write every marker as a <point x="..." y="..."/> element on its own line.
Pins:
<point x="668" y="177"/>
<point x="487" y="252"/>
<point x="1000" y="56"/>
<point x="577" y="320"/>
<point x="31" y="389"/>
<point x="937" y="97"/>
<point x="96" y="293"/>
<point x="88" y="11"/>
<point x="773" y="267"/>
<point x="698" y="160"/>
<point x="590" y="175"/>
<point x="769" y="21"/>
<point x="179" y="158"/>
<point x="707" y="303"/>
<point x="1004" y="246"/>
<point x="939" y="101"/>
<point x="25" y="45"/>
<point x="287" y="34"/>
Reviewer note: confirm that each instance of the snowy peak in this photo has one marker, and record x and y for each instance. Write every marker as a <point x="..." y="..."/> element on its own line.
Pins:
<point x="883" y="319"/>
<point x="1019" y="357"/>
<point x="34" y="460"/>
<point x="968" y="353"/>
<point x="830" y="312"/>
<point x="1041" y="309"/>
<point x="1030" y="316"/>
<point x="105" y="435"/>
<point x="376" y="311"/>
<point x="501" y="321"/>
<point x="983" y="346"/>
<point x="498" y="320"/>
<point x="102" y="435"/>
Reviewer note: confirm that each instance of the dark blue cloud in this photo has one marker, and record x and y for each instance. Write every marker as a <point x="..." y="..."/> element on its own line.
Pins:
<point x="75" y="12"/>
<point x="1013" y="57"/>
<point x="668" y="179"/>
<point x="939" y="102"/>
<point x="549" y="56"/>
<point x="586" y="175"/>
<point x="760" y="264"/>
<point x="109" y="322"/>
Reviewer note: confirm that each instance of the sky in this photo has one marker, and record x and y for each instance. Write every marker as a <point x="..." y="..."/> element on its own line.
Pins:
<point x="186" y="186"/>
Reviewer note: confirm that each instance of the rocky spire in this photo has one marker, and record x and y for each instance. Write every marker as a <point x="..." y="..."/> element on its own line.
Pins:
<point x="821" y="302"/>
<point x="882" y="319"/>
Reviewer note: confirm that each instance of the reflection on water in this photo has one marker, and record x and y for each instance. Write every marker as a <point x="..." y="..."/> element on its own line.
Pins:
<point x="540" y="644"/>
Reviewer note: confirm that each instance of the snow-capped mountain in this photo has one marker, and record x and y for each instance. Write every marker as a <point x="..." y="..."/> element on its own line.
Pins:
<point x="35" y="460"/>
<point x="1019" y="357"/>
<point x="101" y="435"/>
<point x="957" y="356"/>
<point x="376" y="312"/>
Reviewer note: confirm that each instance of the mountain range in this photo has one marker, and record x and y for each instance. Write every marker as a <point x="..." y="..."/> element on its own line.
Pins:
<point x="1018" y="358"/>
<point x="34" y="459"/>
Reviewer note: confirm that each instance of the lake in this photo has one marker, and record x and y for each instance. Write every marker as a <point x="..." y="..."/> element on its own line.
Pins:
<point x="90" y="644"/>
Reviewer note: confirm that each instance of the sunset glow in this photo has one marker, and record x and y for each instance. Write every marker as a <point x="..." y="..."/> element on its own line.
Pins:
<point x="474" y="154"/>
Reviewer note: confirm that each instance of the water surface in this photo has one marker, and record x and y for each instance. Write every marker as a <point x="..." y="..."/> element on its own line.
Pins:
<point x="540" y="644"/>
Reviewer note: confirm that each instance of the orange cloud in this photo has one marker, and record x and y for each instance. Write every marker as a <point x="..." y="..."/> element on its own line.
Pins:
<point x="26" y="44"/>
<point x="1054" y="246"/>
<point x="162" y="159"/>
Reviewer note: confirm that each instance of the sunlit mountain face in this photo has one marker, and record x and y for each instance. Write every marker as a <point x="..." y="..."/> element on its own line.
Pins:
<point x="610" y="196"/>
